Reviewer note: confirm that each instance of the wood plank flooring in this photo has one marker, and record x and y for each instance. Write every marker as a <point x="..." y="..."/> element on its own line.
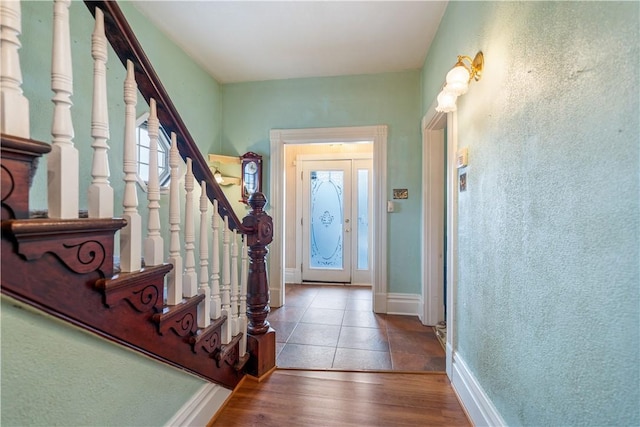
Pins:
<point x="339" y="398"/>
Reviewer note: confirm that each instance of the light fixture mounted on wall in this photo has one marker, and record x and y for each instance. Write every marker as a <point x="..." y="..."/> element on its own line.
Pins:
<point x="218" y="176"/>
<point x="458" y="80"/>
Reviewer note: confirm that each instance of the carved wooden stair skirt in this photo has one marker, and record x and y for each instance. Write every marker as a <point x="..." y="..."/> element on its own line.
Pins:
<point x="65" y="267"/>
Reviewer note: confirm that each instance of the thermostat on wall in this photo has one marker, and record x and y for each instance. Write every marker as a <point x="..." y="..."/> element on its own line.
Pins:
<point x="463" y="157"/>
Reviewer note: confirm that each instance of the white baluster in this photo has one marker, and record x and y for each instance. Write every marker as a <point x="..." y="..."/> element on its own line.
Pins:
<point x="189" y="278"/>
<point x="234" y="283"/>
<point x="242" y="315"/>
<point x="100" y="193"/>
<point x="14" y="106"/>
<point x="226" y="332"/>
<point x="174" y="278"/>
<point x="204" y="308"/>
<point x="153" y="244"/>
<point x="131" y="234"/>
<point x="62" y="162"/>
<point x="216" y="302"/>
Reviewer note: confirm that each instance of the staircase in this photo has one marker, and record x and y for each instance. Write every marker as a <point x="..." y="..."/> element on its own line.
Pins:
<point x="211" y="325"/>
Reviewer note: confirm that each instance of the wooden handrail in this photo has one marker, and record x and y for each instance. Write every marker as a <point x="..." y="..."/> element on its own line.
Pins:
<point x="127" y="46"/>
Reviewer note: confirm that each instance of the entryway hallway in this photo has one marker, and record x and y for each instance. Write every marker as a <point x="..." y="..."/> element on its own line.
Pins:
<point x="334" y="327"/>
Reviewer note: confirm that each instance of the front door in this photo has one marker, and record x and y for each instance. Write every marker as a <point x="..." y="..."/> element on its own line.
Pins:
<point x="335" y="218"/>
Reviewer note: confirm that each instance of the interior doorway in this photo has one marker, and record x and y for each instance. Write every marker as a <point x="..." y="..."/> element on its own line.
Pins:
<point x="280" y="266"/>
<point x="439" y="255"/>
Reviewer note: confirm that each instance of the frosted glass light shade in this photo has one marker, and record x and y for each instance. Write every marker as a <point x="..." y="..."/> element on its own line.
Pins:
<point x="218" y="176"/>
<point x="446" y="101"/>
<point x="458" y="80"/>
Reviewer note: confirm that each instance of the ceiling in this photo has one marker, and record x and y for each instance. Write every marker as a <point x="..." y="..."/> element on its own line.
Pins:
<point x="240" y="41"/>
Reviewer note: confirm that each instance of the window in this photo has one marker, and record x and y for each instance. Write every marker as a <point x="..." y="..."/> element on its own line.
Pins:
<point x="143" y="144"/>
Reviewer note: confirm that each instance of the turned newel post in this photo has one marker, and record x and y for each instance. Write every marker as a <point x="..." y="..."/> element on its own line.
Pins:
<point x="257" y="285"/>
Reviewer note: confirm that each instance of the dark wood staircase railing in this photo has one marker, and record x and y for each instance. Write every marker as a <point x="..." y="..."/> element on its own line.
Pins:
<point x="66" y="267"/>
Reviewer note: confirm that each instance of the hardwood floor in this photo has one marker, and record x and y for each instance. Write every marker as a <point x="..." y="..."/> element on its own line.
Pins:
<point x="339" y="398"/>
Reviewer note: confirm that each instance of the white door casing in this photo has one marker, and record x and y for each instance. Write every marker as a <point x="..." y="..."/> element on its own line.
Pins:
<point x="431" y="123"/>
<point x="280" y="137"/>
<point x="433" y="205"/>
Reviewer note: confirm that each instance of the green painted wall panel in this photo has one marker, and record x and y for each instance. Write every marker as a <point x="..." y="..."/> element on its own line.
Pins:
<point x="56" y="374"/>
<point x="548" y="295"/>
<point x="251" y="110"/>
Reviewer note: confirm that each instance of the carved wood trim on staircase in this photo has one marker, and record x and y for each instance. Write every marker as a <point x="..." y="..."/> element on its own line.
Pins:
<point x="143" y="292"/>
<point x="19" y="163"/>
<point x="180" y="318"/>
<point x="85" y="247"/>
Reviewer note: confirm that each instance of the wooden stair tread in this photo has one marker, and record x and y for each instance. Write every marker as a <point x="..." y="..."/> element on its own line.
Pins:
<point x="24" y="146"/>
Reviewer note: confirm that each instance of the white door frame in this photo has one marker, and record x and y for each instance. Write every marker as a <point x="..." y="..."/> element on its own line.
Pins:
<point x="301" y="158"/>
<point x="280" y="137"/>
<point x="433" y="185"/>
<point x="431" y="122"/>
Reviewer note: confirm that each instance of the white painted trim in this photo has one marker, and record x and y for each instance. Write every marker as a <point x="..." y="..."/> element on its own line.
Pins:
<point x="201" y="408"/>
<point x="452" y="235"/>
<point x="403" y="304"/>
<point x="280" y="137"/>
<point x="292" y="275"/>
<point x="476" y="402"/>
<point x="432" y="217"/>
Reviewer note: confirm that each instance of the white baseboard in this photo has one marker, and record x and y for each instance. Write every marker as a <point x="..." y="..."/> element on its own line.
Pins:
<point x="477" y="404"/>
<point x="202" y="406"/>
<point x="405" y="304"/>
<point x="292" y="275"/>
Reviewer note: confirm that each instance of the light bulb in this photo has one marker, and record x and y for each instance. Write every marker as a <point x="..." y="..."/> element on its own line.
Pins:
<point x="446" y="101"/>
<point x="218" y="176"/>
<point x="458" y="80"/>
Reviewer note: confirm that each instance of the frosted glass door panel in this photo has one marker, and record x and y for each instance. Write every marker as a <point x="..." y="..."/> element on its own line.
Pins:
<point x="363" y="219"/>
<point x="327" y="219"/>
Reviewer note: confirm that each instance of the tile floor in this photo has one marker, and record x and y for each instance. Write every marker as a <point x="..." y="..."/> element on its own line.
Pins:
<point x="334" y="327"/>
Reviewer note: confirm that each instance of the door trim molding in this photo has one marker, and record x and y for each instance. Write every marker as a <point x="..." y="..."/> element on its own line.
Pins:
<point x="430" y="119"/>
<point x="280" y="137"/>
<point x="433" y="183"/>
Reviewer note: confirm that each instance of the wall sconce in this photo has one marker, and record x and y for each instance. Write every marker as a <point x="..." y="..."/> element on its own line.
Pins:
<point x="458" y="80"/>
<point x="218" y="176"/>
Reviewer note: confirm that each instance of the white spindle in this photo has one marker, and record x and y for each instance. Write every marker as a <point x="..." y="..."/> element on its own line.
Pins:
<point x="14" y="106"/>
<point x="216" y="303"/>
<point x="204" y="309"/>
<point x="189" y="278"/>
<point x="153" y="244"/>
<point x="131" y="234"/>
<point x="242" y="315"/>
<point x="100" y="193"/>
<point x="226" y="332"/>
<point x="62" y="162"/>
<point x="174" y="279"/>
<point x="234" y="283"/>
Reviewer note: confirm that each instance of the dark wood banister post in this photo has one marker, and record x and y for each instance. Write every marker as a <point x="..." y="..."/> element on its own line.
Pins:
<point x="261" y="340"/>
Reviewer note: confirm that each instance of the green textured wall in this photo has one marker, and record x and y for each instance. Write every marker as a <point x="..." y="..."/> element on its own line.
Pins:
<point x="54" y="374"/>
<point x="548" y="295"/>
<point x="251" y="110"/>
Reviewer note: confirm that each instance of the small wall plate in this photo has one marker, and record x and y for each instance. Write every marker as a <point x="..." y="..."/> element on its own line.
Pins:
<point x="400" y="193"/>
